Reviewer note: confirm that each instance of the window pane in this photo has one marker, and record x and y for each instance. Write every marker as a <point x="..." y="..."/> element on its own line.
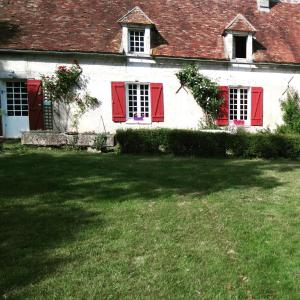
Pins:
<point x="138" y="101"/>
<point x="136" y="41"/>
<point x="17" y="102"/>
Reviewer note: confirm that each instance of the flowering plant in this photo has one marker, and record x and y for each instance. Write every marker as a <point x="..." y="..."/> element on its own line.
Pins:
<point x="65" y="89"/>
<point x="204" y="90"/>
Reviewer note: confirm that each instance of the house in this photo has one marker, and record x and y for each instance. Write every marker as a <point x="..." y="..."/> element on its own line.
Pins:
<point x="131" y="51"/>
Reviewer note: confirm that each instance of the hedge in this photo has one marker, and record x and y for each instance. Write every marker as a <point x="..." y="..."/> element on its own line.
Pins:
<point x="208" y="144"/>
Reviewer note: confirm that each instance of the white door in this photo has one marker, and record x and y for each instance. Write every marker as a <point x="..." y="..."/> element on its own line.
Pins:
<point x="15" y="109"/>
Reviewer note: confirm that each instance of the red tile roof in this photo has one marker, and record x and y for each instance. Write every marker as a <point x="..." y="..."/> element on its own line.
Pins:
<point x="240" y="23"/>
<point x="187" y="28"/>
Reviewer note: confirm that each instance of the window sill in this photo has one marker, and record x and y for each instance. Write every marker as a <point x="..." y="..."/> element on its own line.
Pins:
<point x="246" y="125"/>
<point x="241" y="60"/>
<point x="132" y="122"/>
<point x="138" y="54"/>
<point x="140" y="59"/>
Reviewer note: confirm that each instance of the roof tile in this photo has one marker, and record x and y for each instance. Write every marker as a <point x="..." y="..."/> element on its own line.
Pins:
<point x="190" y="28"/>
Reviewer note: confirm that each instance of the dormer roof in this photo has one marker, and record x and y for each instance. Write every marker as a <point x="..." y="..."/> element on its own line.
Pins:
<point x="241" y="24"/>
<point x="136" y="16"/>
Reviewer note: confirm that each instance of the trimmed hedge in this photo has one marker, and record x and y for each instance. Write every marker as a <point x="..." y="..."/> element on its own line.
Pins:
<point x="208" y="144"/>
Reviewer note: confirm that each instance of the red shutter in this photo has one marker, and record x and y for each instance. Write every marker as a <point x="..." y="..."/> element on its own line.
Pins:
<point x="257" y="106"/>
<point x="223" y="116"/>
<point x="157" y="102"/>
<point x="35" y="103"/>
<point x="118" y="101"/>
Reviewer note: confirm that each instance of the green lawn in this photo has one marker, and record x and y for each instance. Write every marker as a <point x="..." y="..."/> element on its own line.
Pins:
<point x="75" y="225"/>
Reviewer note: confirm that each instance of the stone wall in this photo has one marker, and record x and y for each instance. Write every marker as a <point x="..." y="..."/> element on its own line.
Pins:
<point x="55" y="139"/>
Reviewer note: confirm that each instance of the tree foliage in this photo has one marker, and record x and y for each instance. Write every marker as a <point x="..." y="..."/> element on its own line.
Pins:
<point x="204" y="90"/>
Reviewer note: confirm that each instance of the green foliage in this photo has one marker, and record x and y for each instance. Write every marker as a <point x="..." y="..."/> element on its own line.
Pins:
<point x="204" y="91"/>
<point x="291" y="113"/>
<point x="143" y="140"/>
<point x="65" y="88"/>
<point x="100" y="142"/>
<point x="208" y="144"/>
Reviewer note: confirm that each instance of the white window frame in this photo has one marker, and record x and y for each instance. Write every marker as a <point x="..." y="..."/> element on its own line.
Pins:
<point x="247" y="122"/>
<point x="22" y="110"/>
<point x="230" y="46"/>
<point x="131" y="120"/>
<point x="126" y="42"/>
<point x="130" y="31"/>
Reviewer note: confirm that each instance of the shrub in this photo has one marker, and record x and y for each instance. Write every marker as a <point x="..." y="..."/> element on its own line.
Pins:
<point x="208" y="144"/>
<point x="291" y="113"/>
<point x="100" y="142"/>
<point x="178" y="142"/>
<point x="197" y="143"/>
<point x="264" y="145"/>
<point x="142" y="140"/>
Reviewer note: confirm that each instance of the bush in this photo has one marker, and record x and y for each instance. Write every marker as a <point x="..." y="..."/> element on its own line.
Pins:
<point x="291" y="113"/>
<point x="1" y="144"/>
<point x="142" y="140"/>
<point x="264" y="145"/>
<point x="100" y="142"/>
<point x="177" y="142"/>
<point x="208" y="144"/>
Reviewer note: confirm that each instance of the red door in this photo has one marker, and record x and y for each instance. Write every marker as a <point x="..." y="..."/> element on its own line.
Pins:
<point x="35" y="102"/>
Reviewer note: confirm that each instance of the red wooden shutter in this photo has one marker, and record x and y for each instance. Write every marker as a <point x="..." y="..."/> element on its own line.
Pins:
<point x="35" y="103"/>
<point x="257" y="106"/>
<point x="157" y="102"/>
<point x="118" y="101"/>
<point x="223" y="116"/>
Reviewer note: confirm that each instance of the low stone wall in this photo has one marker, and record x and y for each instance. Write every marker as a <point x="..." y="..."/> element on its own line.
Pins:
<point x="56" y="139"/>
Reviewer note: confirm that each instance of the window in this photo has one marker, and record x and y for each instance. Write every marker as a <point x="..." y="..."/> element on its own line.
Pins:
<point x="138" y="102"/>
<point x="136" y="41"/>
<point x="240" y="47"/>
<point x="238" y="104"/>
<point x="17" y="99"/>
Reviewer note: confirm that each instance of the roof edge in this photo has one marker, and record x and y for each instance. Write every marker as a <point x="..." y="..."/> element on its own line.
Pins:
<point x="132" y="10"/>
<point x="236" y="18"/>
<point x="122" y="56"/>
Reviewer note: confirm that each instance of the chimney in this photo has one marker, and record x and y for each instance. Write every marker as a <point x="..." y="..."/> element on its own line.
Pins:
<point x="263" y="5"/>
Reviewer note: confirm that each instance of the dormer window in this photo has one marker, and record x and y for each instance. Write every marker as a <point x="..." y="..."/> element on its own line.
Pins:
<point x="238" y="36"/>
<point x="136" y="41"/>
<point x="136" y="33"/>
<point x="240" y="47"/>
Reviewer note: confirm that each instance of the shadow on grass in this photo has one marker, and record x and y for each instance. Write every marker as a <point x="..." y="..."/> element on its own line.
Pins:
<point x="47" y="198"/>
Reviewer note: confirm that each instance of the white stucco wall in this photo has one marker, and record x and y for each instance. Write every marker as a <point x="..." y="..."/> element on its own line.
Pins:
<point x="181" y="110"/>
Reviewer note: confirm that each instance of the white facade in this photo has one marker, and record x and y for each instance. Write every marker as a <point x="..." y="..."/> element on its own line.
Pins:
<point x="180" y="109"/>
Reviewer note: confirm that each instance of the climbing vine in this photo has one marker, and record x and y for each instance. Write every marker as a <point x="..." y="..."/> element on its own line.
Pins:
<point x="204" y="90"/>
<point x="66" y="88"/>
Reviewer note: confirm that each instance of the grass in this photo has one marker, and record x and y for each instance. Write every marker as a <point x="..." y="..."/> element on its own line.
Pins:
<point x="75" y="225"/>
